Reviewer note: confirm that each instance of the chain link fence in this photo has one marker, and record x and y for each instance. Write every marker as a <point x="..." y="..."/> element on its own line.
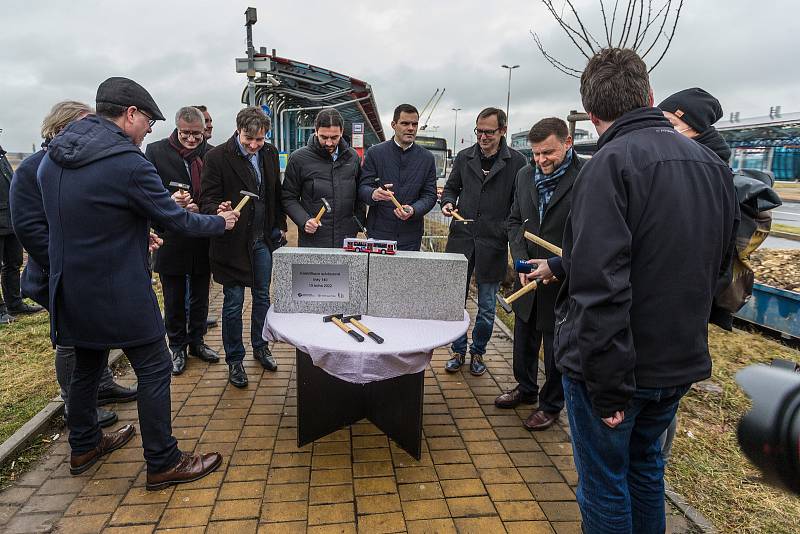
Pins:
<point x="434" y="237"/>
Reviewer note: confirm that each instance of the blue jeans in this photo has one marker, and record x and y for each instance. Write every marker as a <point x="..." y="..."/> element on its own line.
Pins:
<point x="233" y="302"/>
<point x="484" y="322"/>
<point x="621" y="470"/>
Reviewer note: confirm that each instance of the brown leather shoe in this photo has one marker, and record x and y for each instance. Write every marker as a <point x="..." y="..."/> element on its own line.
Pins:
<point x="189" y="468"/>
<point x="540" y="420"/>
<point x="513" y="398"/>
<point x="111" y="441"/>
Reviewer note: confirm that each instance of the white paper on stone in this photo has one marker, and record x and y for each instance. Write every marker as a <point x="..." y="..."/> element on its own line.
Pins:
<point x="407" y="347"/>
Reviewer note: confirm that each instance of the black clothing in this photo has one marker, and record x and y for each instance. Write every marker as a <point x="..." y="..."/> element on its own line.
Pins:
<point x="11" y="259"/>
<point x="539" y="305"/>
<point x="527" y="341"/>
<point x="311" y="175"/>
<point x="180" y="254"/>
<point x="487" y="201"/>
<point x="647" y="246"/>
<point x="226" y="172"/>
<point x="713" y="140"/>
<point x="182" y="330"/>
<point x="6" y="174"/>
<point x="695" y="107"/>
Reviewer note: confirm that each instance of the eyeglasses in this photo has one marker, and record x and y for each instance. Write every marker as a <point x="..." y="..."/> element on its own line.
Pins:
<point x="150" y="120"/>
<point x="487" y="133"/>
<point x="187" y="134"/>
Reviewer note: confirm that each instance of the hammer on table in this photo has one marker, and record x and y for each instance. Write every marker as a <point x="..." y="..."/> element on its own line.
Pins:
<point x="182" y="188"/>
<point x="394" y="200"/>
<point x="542" y="243"/>
<point x="336" y="319"/>
<point x="325" y="207"/>
<point x="457" y="216"/>
<point x="505" y="302"/>
<point x="354" y="320"/>
<point x="247" y="195"/>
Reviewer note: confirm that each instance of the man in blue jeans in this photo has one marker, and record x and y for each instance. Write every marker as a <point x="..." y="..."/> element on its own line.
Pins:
<point x="644" y="254"/>
<point x="481" y="187"/>
<point x="243" y="257"/>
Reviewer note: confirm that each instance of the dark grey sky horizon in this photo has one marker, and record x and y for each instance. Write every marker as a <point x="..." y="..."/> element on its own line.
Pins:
<point x="182" y="52"/>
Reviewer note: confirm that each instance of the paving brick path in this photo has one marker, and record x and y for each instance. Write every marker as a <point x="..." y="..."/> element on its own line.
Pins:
<point x="480" y="471"/>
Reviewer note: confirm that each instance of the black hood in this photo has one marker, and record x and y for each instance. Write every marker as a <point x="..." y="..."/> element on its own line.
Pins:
<point x="634" y="120"/>
<point x="89" y="140"/>
<point x="712" y="140"/>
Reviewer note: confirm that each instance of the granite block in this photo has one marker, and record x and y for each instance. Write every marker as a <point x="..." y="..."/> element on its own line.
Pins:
<point x="417" y="285"/>
<point x="319" y="280"/>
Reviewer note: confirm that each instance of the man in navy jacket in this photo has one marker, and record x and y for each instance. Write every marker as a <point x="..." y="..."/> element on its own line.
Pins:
<point x="646" y="248"/>
<point x="100" y="194"/>
<point x="410" y="172"/>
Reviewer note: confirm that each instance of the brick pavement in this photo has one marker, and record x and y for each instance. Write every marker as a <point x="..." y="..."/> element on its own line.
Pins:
<point x="480" y="471"/>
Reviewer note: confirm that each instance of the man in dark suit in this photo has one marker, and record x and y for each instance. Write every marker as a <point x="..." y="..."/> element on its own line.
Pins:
<point x="179" y="158"/>
<point x="481" y="186"/>
<point x="541" y="206"/>
<point x="243" y="258"/>
<point x="100" y="283"/>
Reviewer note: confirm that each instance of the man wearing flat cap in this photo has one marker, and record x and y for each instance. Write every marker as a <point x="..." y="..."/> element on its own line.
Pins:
<point x="99" y="195"/>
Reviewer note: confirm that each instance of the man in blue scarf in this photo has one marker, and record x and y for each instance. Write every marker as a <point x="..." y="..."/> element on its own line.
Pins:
<point x="542" y="202"/>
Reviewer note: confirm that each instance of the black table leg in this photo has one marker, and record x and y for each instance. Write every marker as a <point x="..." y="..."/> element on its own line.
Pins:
<point x="326" y="404"/>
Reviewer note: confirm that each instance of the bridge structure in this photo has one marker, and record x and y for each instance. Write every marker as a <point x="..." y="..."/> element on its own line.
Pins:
<point x="292" y="92"/>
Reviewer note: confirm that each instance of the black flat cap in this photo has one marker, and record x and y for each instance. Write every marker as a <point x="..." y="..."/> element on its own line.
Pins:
<point x="695" y="107"/>
<point x="126" y="92"/>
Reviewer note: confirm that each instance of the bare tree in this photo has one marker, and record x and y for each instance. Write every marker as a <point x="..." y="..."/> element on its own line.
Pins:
<point x="640" y="25"/>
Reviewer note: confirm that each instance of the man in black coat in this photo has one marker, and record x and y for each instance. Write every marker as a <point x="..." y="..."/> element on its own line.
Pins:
<point x="542" y="202"/>
<point x="326" y="168"/>
<point x="647" y="246"/>
<point x="243" y="258"/>
<point x="10" y="253"/>
<point x="481" y="187"/>
<point x="179" y="159"/>
<point x="100" y="287"/>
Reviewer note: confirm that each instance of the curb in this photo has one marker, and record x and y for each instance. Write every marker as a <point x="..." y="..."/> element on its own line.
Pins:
<point x="689" y="512"/>
<point x="784" y="235"/>
<point x="11" y="447"/>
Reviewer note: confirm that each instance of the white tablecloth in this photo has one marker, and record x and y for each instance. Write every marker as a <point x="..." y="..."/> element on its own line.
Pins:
<point x="407" y="347"/>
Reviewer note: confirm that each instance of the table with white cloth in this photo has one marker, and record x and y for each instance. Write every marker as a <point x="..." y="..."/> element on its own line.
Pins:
<point x="340" y="381"/>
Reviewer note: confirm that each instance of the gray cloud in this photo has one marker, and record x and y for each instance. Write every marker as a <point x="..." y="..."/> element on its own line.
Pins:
<point x="183" y="53"/>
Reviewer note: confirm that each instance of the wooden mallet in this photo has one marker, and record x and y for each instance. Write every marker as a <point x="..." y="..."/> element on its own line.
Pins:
<point x="542" y="243"/>
<point x="325" y="207"/>
<point x="336" y="319"/>
<point x="394" y="200"/>
<point x="505" y="302"/>
<point x="354" y="320"/>
<point x="247" y="196"/>
<point x="457" y="216"/>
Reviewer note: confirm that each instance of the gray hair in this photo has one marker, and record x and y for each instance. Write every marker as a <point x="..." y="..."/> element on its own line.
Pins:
<point x="190" y="114"/>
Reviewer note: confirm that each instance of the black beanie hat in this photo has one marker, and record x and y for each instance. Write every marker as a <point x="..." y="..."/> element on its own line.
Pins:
<point x="695" y="107"/>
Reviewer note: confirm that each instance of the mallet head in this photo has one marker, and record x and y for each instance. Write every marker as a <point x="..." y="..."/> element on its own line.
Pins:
<point x="325" y="203"/>
<point x="501" y="300"/>
<point x="329" y="318"/>
<point x="182" y="187"/>
<point x="249" y="194"/>
<point x="347" y="318"/>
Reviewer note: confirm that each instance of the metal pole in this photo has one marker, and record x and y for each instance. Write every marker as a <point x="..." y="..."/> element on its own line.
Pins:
<point x="455" y="130"/>
<point x="250" y="19"/>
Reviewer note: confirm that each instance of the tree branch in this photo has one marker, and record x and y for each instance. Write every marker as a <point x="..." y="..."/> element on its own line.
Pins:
<point x="669" y="39"/>
<point x="575" y="73"/>
<point x="660" y="29"/>
<point x="569" y="30"/>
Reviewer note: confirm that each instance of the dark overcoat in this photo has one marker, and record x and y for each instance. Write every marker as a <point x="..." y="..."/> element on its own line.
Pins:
<point x="311" y="175"/>
<point x="179" y="254"/>
<point x="486" y="201"/>
<point x="6" y="172"/>
<point x="550" y="228"/>
<point x="100" y="195"/>
<point x="226" y="172"/>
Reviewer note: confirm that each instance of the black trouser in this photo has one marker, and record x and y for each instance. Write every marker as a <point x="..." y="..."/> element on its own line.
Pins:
<point x="173" y="287"/>
<point x="526" y="365"/>
<point x="152" y="364"/>
<point x="11" y="260"/>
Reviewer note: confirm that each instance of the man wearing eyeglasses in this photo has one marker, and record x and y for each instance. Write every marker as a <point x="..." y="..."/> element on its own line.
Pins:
<point x="481" y="187"/>
<point x="179" y="158"/>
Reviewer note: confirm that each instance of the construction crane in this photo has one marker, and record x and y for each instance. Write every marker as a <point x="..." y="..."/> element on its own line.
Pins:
<point x="430" y="112"/>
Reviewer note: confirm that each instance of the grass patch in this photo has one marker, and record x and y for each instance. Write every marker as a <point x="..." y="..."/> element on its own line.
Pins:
<point x="777" y="227"/>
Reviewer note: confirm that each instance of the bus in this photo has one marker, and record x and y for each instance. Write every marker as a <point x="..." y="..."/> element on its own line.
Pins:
<point x="438" y="147"/>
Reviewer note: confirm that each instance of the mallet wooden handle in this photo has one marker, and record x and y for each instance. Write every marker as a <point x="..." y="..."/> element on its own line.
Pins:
<point x="241" y="203"/>
<point x="457" y="216"/>
<point x="520" y="292"/>
<point x="542" y="243"/>
<point x="338" y="322"/>
<point x="320" y="213"/>
<point x="363" y="328"/>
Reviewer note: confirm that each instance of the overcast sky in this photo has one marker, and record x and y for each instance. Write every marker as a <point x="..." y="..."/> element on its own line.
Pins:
<point x="182" y="52"/>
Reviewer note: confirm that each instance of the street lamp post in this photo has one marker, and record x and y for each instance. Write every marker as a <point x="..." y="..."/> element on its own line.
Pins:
<point x="455" y="130"/>
<point x="508" y="99"/>
<point x="250" y="19"/>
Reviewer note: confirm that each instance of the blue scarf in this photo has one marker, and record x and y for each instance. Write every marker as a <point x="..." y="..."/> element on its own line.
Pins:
<point x="546" y="183"/>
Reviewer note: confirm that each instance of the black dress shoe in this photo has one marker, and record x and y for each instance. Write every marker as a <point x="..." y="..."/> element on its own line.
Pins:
<point x="115" y="393"/>
<point x="178" y="361"/>
<point x="6" y="318"/>
<point x="264" y="356"/>
<point x="236" y="375"/>
<point x="23" y="309"/>
<point x="204" y="352"/>
<point x="513" y="398"/>
<point x="105" y="418"/>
